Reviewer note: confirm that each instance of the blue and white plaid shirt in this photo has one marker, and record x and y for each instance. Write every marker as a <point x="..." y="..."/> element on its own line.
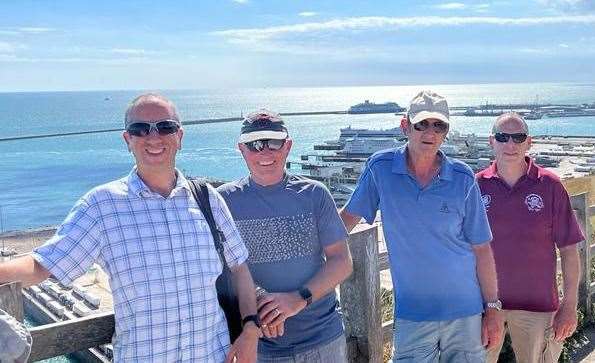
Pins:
<point x="162" y="264"/>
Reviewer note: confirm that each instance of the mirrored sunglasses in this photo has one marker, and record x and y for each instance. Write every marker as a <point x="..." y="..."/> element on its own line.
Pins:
<point x="163" y="127"/>
<point x="259" y="145"/>
<point x="517" y="138"/>
<point x="439" y="127"/>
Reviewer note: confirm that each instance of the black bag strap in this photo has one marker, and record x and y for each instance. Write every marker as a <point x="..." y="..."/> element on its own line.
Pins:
<point x="200" y="191"/>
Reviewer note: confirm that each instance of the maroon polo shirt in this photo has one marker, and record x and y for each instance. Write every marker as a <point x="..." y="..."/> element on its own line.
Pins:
<point x="528" y="222"/>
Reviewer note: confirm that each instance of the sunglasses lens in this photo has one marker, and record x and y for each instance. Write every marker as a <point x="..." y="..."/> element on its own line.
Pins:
<point x="255" y="146"/>
<point x="519" y="138"/>
<point x="275" y="144"/>
<point x="167" y="127"/>
<point x="139" y="129"/>
<point x="440" y="126"/>
<point x="421" y="126"/>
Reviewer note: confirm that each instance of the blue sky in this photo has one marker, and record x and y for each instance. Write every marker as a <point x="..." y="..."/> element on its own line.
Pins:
<point x="84" y="45"/>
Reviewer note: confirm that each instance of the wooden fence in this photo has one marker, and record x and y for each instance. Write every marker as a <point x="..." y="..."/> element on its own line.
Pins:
<point x="359" y="295"/>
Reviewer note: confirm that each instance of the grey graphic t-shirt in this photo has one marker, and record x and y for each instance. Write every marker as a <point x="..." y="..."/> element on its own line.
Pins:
<point x="285" y="228"/>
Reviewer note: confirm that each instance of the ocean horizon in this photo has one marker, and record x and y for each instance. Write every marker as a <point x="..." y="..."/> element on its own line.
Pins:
<point x="41" y="179"/>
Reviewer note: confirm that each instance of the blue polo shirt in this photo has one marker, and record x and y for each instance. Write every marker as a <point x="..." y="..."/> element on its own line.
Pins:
<point x="429" y="233"/>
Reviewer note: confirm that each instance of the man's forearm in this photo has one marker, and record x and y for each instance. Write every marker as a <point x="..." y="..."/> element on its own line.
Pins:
<point x="486" y="271"/>
<point x="336" y="269"/>
<point x="24" y="269"/>
<point x="245" y="290"/>
<point x="571" y="271"/>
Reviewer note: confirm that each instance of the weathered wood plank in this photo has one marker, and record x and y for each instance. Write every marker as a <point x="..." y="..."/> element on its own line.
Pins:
<point x="580" y="206"/>
<point x="71" y="336"/>
<point x="11" y="300"/>
<point x="383" y="263"/>
<point x="360" y="299"/>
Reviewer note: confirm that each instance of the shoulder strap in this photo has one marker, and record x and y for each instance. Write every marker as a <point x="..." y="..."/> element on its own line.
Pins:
<point x="200" y="191"/>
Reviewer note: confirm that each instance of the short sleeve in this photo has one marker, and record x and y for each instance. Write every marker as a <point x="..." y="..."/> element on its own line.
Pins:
<point x="235" y="250"/>
<point x="476" y="227"/>
<point x="365" y="199"/>
<point x="75" y="246"/>
<point x="566" y="230"/>
<point x="330" y="226"/>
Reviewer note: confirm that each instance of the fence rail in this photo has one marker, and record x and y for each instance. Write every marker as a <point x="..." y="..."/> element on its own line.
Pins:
<point x="360" y="301"/>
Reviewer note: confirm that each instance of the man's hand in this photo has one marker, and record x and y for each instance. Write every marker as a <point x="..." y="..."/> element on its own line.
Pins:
<point x="273" y="332"/>
<point x="492" y="328"/>
<point x="565" y="322"/>
<point x="244" y="348"/>
<point x="274" y="308"/>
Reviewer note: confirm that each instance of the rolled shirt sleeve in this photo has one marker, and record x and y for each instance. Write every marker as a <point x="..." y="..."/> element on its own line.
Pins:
<point x="365" y="199"/>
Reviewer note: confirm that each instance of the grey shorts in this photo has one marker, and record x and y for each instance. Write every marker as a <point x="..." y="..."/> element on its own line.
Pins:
<point x="334" y="351"/>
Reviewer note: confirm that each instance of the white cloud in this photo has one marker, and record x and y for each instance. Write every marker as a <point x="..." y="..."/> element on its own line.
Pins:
<point x="307" y="14"/>
<point x="25" y="30"/>
<point x="569" y="5"/>
<point x="562" y="45"/>
<point x="35" y="30"/>
<point x="240" y="1"/>
<point x="451" y="6"/>
<point x="6" y="47"/>
<point x="250" y="35"/>
<point x="129" y="51"/>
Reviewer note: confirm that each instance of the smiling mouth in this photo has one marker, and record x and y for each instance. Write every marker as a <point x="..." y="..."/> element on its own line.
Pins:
<point x="155" y="151"/>
<point x="265" y="163"/>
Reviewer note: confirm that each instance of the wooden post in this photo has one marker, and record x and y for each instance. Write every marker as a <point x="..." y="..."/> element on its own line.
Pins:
<point x="579" y="204"/>
<point x="11" y="300"/>
<point x="360" y="298"/>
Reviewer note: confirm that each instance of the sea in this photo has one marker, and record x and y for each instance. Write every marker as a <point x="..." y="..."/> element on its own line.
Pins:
<point x="40" y="179"/>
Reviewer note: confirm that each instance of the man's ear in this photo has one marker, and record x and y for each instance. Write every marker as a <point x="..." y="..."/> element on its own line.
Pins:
<point x="126" y="137"/>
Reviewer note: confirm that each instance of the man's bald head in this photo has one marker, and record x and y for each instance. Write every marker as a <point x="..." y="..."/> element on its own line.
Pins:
<point x="149" y="98"/>
<point x="510" y="117"/>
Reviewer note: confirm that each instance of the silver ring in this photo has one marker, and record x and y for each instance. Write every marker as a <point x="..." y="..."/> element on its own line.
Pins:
<point x="278" y="311"/>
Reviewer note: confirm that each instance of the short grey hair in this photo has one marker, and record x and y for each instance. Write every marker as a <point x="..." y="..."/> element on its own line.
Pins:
<point x="510" y="116"/>
<point x="147" y="98"/>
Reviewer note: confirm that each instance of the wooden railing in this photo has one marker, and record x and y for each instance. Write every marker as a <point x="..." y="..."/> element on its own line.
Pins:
<point x="359" y="296"/>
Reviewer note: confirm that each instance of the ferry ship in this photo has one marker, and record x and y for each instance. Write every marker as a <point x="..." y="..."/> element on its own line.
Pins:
<point x="371" y="107"/>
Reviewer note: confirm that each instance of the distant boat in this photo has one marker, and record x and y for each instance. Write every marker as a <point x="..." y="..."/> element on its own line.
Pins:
<point x="371" y="107"/>
<point x="107" y="98"/>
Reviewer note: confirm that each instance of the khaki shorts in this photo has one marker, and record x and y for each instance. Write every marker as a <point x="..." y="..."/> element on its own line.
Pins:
<point x="532" y="337"/>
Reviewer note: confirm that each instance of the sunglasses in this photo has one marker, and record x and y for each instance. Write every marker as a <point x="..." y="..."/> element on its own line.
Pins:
<point x="163" y="127"/>
<point x="259" y="145"/>
<point x="517" y="138"/>
<point x="439" y="127"/>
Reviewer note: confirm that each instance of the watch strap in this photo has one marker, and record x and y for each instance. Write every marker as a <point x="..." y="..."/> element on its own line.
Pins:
<point x="253" y="318"/>
<point x="306" y="294"/>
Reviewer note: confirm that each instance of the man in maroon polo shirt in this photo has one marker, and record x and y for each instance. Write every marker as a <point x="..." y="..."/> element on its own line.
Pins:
<point x="530" y="216"/>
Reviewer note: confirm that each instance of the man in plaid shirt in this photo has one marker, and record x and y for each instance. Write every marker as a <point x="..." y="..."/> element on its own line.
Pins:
<point x="147" y="232"/>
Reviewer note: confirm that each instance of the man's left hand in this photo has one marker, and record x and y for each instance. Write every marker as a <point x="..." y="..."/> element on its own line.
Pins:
<point x="274" y="308"/>
<point x="245" y="346"/>
<point x="565" y="322"/>
<point x="492" y="328"/>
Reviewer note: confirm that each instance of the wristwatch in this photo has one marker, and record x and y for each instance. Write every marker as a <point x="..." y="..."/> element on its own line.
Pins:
<point x="306" y="294"/>
<point x="253" y="318"/>
<point x="494" y="305"/>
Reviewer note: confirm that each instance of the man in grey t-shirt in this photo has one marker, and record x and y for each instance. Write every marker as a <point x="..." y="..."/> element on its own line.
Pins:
<point x="296" y="242"/>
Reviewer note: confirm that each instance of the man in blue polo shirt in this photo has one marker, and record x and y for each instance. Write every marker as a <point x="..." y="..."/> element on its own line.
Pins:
<point x="437" y="236"/>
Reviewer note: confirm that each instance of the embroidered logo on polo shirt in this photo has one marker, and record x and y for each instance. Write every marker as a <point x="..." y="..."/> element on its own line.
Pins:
<point x="444" y="208"/>
<point x="486" y="199"/>
<point x="534" y="202"/>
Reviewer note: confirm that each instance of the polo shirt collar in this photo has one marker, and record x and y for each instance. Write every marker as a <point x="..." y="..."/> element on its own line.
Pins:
<point x="138" y="187"/>
<point x="400" y="163"/>
<point x="532" y="170"/>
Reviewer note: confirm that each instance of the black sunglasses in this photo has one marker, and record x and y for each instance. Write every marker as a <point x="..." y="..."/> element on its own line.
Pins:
<point x="259" y="145"/>
<point x="163" y="127"/>
<point x="439" y="127"/>
<point x="517" y="138"/>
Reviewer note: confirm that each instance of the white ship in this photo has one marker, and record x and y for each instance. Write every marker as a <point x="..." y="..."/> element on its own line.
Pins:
<point x="371" y="107"/>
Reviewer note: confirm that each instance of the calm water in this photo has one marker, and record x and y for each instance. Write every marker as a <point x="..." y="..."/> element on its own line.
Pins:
<point x="41" y="179"/>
